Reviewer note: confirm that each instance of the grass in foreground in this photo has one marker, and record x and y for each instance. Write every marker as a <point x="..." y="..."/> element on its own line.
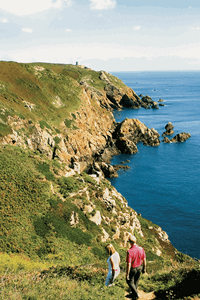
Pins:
<point x="50" y="284"/>
<point x="22" y="278"/>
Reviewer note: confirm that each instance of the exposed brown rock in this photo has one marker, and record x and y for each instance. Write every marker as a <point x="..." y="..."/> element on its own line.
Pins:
<point x="180" y="137"/>
<point x="126" y="146"/>
<point x="74" y="219"/>
<point x="169" y="129"/>
<point x="131" y="131"/>
<point x="96" y="218"/>
<point x="166" y="140"/>
<point x="148" y="103"/>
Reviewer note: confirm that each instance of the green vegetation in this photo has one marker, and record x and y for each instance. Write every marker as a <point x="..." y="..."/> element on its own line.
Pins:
<point x="44" y="168"/>
<point x="44" y="124"/>
<point x="68" y="123"/>
<point x="52" y="95"/>
<point x="50" y="257"/>
<point x="5" y="129"/>
<point x="178" y="281"/>
<point x="57" y="140"/>
<point x="59" y="283"/>
<point x="49" y="247"/>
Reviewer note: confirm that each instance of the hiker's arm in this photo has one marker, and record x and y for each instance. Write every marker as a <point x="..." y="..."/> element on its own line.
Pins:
<point x="145" y="265"/>
<point x="113" y="270"/>
<point x="128" y="268"/>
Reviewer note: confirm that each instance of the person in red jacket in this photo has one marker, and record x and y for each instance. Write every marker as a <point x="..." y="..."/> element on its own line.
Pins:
<point x="136" y="264"/>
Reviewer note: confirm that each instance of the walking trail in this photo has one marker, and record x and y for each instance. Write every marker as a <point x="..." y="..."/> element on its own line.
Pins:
<point x="143" y="296"/>
<point x="150" y="296"/>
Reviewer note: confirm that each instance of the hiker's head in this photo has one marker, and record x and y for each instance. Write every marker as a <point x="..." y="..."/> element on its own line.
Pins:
<point x="110" y="248"/>
<point x="132" y="240"/>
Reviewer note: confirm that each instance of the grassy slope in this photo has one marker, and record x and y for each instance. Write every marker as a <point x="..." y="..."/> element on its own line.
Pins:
<point x="42" y="88"/>
<point x="35" y="229"/>
<point x="35" y="224"/>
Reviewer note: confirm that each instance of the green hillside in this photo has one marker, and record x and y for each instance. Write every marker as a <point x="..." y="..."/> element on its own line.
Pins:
<point x="51" y="246"/>
<point x="52" y="90"/>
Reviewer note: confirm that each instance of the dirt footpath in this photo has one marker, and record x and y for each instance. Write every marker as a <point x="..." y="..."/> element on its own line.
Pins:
<point x="143" y="295"/>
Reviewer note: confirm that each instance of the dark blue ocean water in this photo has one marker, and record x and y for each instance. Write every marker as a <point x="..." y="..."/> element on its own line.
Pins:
<point x="163" y="183"/>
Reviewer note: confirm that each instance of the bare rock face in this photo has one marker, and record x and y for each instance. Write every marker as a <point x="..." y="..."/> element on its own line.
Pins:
<point x="147" y="102"/>
<point x="166" y="140"/>
<point x="162" y="234"/>
<point x="105" y="236"/>
<point x="120" y="97"/>
<point x="74" y="220"/>
<point x="108" y="170"/>
<point x="131" y="131"/>
<point x="126" y="146"/>
<point x="113" y="94"/>
<point x="180" y="137"/>
<point x="129" y="102"/>
<point x="108" y="200"/>
<point x="169" y="129"/>
<point x="96" y="218"/>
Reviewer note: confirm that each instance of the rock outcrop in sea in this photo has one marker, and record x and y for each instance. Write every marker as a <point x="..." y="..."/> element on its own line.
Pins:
<point x="169" y="129"/>
<point x="130" y="132"/>
<point x="181" y="137"/>
<point x="166" y="140"/>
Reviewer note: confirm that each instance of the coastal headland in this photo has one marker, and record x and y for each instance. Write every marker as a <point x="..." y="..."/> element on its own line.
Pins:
<point x="57" y="136"/>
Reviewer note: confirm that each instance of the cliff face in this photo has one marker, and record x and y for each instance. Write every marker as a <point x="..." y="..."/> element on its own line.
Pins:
<point x="61" y="116"/>
<point x="80" y="133"/>
<point x="55" y="122"/>
<point x="65" y="113"/>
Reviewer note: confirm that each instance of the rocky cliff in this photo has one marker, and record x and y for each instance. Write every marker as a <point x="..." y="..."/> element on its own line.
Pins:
<point x="65" y="113"/>
<point x="56" y="121"/>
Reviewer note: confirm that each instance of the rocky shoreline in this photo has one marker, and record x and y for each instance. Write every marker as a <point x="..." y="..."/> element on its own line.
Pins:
<point x="95" y="137"/>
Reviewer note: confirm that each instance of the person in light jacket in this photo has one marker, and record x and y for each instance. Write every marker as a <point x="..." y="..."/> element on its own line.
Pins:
<point x="113" y="265"/>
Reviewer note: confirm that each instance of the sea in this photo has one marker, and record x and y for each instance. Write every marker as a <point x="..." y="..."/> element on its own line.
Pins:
<point x="163" y="182"/>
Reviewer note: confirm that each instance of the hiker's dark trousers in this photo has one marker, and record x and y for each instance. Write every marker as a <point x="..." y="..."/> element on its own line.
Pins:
<point x="134" y="276"/>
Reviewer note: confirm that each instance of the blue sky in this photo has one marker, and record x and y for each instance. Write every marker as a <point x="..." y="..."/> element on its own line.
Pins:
<point x="111" y="35"/>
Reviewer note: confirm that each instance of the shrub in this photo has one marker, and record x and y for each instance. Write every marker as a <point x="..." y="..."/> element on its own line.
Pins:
<point x="69" y="185"/>
<point x="68" y="123"/>
<point x="74" y="116"/>
<point x="57" y="140"/>
<point x="5" y="129"/>
<point x="44" y="124"/>
<point x="88" y="178"/>
<point x="57" y="130"/>
<point x="100" y="251"/>
<point x="44" y="168"/>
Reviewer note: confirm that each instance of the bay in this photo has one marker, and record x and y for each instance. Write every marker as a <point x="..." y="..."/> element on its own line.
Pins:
<point x="163" y="183"/>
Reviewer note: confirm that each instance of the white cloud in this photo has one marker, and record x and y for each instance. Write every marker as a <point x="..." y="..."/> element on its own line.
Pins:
<point x="28" y="30"/>
<point x="68" y="30"/>
<point x="195" y="28"/>
<point x="28" y="7"/>
<point x="136" y="27"/>
<point x="4" y="20"/>
<point x="102" y="4"/>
